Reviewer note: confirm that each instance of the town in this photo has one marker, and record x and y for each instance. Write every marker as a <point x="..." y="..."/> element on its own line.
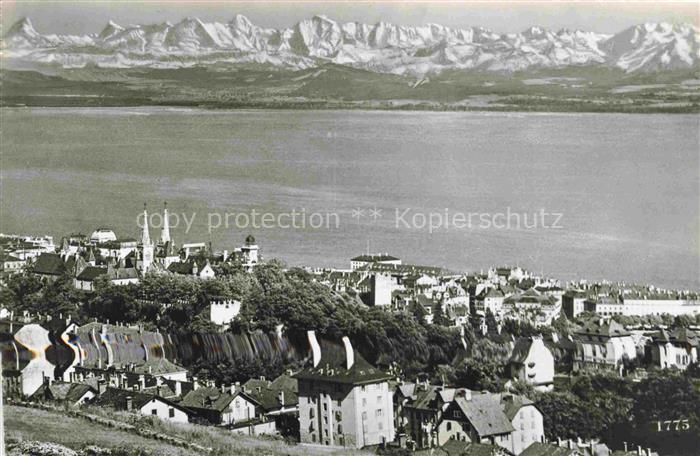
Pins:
<point x="384" y="356"/>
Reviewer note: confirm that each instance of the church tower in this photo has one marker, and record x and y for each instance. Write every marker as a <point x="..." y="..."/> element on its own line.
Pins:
<point x="165" y="235"/>
<point x="146" y="244"/>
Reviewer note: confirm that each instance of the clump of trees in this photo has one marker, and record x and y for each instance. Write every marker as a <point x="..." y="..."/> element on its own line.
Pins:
<point x="618" y="410"/>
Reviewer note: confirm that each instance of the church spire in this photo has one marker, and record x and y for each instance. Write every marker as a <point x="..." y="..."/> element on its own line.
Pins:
<point x="146" y="244"/>
<point x="145" y="236"/>
<point x="165" y="235"/>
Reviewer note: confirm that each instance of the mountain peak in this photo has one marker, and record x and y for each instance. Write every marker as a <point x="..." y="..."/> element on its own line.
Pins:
<point x="110" y="29"/>
<point x="22" y="27"/>
<point x="380" y="47"/>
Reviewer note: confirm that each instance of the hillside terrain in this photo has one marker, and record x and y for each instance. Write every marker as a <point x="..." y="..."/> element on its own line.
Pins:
<point x="333" y="86"/>
<point x="24" y="424"/>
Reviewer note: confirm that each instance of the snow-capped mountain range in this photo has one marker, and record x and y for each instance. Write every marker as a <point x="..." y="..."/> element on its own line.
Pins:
<point x="382" y="47"/>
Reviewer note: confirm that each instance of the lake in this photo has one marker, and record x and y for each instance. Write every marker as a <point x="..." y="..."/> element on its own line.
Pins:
<point x="627" y="187"/>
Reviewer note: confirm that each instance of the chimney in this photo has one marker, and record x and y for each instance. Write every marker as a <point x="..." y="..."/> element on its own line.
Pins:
<point x="101" y="387"/>
<point x="639" y="450"/>
<point x="349" y="353"/>
<point x="195" y="384"/>
<point x="648" y="451"/>
<point x="233" y="388"/>
<point x="178" y="388"/>
<point x="129" y="403"/>
<point x="315" y="347"/>
<point x="625" y="444"/>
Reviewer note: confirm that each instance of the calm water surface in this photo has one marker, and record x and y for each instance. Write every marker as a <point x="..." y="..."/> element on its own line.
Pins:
<point x="628" y="186"/>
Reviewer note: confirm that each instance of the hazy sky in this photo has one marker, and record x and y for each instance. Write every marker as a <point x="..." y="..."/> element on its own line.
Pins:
<point x="608" y="17"/>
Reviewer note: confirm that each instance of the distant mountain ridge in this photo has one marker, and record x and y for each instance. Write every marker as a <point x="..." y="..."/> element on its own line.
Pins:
<point x="382" y="47"/>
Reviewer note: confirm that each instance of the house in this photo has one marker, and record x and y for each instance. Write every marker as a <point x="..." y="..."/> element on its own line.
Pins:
<point x="85" y="279"/>
<point x="117" y="249"/>
<point x="145" y="404"/>
<point x="491" y="301"/>
<point x="366" y="260"/>
<point x="277" y="397"/>
<point x="11" y="264"/>
<point x="102" y="235"/>
<point x="461" y="448"/>
<point x="548" y="449"/>
<point x="160" y="368"/>
<point x="343" y="400"/>
<point x="221" y="406"/>
<point x="507" y="420"/>
<point x="571" y="448"/>
<point x="72" y="394"/>
<point x="603" y="346"/>
<point x="573" y="303"/>
<point x="404" y="393"/>
<point x="677" y="348"/>
<point x="605" y="306"/>
<point x="194" y="267"/>
<point x="422" y="409"/>
<point x="380" y="287"/>
<point x="532" y="363"/>
<point x="49" y="266"/>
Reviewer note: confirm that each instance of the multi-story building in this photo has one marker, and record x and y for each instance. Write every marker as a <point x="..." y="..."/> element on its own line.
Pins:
<point x="572" y="303"/>
<point x="677" y="348"/>
<point x="343" y="400"/>
<point x="365" y="260"/>
<point x="606" y="306"/>
<point x="507" y="420"/>
<point x="603" y="345"/>
<point x="660" y="304"/>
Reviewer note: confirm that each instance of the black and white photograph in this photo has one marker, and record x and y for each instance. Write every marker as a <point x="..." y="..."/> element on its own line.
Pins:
<point x="349" y="228"/>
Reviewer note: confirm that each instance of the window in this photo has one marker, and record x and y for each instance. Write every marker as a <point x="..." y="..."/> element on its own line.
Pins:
<point x="311" y="414"/>
<point x="171" y="412"/>
<point x="380" y="425"/>
<point x="449" y="427"/>
<point x="378" y="413"/>
<point x="313" y="438"/>
<point x="325" y="407"/>
<point x="364" y="416"/>
<point x="379" y="399"/>
<point x="340" y="429"/>
<point x="364" y="401"/>
<point x="338" y="416"/>
<point x="154" y="412"/>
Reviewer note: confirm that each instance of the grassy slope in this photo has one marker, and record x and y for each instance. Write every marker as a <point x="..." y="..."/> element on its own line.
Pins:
<point x="32" y="424"/>
<point x="38" y="425"/>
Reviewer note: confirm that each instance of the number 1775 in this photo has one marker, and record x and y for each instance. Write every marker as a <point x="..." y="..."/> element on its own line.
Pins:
<point x="669" y="425"/>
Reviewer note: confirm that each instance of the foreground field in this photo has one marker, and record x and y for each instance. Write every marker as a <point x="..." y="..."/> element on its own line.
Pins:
<point x="28" y="424"/>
